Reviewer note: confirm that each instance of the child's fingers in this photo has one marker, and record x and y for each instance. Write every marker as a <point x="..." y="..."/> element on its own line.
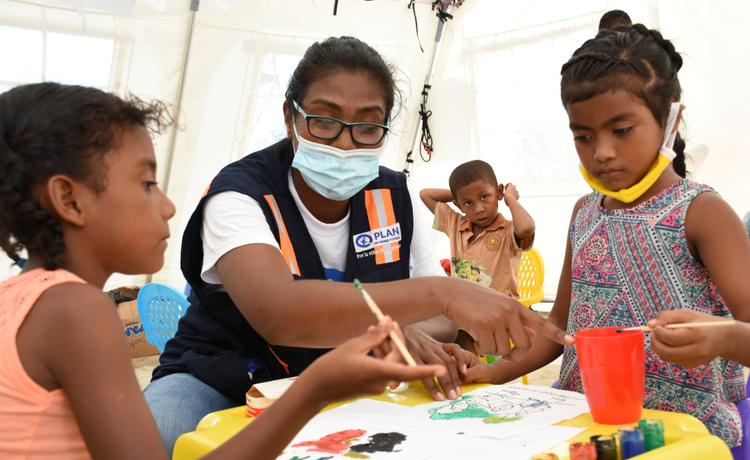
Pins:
<point x="547" y="328"/>
<point x="502" y="343"/>
<point x="521" y="340"/>
<point x="682" y="316"/>
<point x="382" y="350"/>
<point x="397" y="329"/>
<point x="685" y="355"/>
<point x="394" y="354"/>
<point x="676" y="337"/>
<point x="431" y="387"/>
<point x="479" y="373"/>
<point x="401" y="372"/>
<point x="451" y="381"/>
<point x="366" y="342"/>
<point x="462" y="357"/>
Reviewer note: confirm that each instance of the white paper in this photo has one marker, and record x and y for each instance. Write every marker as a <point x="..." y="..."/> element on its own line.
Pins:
<point x="514" y="448"/>
<point x="443" y="430"/>
<point x="375" y="434"/>
<point x="503" y="411"/>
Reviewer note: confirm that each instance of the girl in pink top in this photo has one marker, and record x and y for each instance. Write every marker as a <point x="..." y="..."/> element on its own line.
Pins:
<point x="79" y="194"/>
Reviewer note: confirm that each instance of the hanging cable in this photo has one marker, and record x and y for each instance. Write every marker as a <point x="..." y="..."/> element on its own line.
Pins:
<point x="425" y="141"/>
<point x="422" y="132"/>
<point x="413" y="9"/>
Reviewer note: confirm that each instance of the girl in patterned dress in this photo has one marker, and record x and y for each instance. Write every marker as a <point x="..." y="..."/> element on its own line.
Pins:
<point x="646" y="241"/>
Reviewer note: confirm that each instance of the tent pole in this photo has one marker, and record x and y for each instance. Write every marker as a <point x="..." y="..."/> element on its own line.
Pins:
<point x="443" y="16"/>
<point x="194" y="6"/>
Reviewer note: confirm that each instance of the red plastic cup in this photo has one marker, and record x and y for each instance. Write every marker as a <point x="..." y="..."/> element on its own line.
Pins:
<point x="613" y="370"/>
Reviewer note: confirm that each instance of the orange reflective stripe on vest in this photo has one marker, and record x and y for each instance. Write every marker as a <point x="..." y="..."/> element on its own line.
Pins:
<point x="281" y="361"/>
<point x="285" y="243"/>
<point x="380" y="214"/>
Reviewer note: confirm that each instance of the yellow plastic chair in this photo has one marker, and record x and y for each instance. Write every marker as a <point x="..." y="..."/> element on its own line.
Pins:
<point x="530" y="283"/>
<point x="531" y="278"/>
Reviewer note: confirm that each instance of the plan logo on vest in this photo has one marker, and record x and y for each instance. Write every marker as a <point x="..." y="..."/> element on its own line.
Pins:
<point x="378" y="237"/>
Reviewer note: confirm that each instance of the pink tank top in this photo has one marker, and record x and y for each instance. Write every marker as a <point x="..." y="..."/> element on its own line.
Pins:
<point x="37" y="423"/>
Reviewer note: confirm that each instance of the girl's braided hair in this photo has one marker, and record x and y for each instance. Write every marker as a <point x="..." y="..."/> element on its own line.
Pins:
<point x="632" y="58"/>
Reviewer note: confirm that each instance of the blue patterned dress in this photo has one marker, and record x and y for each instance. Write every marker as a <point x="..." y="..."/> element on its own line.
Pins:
<point x="627" y="266"/>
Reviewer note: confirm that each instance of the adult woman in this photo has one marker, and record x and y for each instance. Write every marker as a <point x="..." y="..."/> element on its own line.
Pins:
<point x="277" y="224"/>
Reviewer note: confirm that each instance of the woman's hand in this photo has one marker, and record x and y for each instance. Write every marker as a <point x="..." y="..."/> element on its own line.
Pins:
<point x="493" y="319"/>
<point x="348" y="370"/>
<point x="427" y="350"/>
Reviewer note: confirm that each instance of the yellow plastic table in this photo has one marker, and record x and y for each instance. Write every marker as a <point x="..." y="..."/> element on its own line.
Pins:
<point x="685" y="436"/>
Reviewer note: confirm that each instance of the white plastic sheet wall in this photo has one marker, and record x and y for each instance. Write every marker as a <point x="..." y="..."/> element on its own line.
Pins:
<point x="495" y="94"/>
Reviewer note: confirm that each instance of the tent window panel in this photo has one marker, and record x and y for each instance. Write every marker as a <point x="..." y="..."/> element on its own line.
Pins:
<point x="519" y="113"/>
<point x="22" y="62"/>
<point x="38" y="55"/>
<point x="267" y="119"/>
<point x="80" y="60"/>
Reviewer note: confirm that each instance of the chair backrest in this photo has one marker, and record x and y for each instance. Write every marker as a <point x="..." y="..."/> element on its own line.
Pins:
<point x="160" y="307"/>
<point x="531" y="278"/>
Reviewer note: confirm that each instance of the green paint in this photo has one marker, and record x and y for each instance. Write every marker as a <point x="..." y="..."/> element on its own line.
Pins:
<point x="299" y="458"/>
<point x="495" y="419"/>
<point x="469" y="412"/>
<point x="355" y="455"/>
<point x="358" y="285"/>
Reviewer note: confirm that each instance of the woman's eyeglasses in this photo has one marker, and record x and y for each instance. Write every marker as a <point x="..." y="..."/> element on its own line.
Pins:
<point x="328" y="128"/>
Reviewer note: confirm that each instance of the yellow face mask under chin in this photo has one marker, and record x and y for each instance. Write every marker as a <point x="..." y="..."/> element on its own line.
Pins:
<point x="632" y="193"/>
<point x="664" y="159"/>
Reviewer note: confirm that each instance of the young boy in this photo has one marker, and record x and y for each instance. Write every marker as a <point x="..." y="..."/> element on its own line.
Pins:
<point x="485" y="247"/>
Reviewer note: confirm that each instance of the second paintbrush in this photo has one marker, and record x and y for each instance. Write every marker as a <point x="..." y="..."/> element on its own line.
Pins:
<point x="682" y="325"/>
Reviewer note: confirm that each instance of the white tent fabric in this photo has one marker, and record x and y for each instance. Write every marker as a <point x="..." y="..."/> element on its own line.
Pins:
<point x="495" y="93"/>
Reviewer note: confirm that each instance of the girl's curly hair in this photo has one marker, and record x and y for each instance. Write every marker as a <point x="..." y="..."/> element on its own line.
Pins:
<point x="48" y="129"/>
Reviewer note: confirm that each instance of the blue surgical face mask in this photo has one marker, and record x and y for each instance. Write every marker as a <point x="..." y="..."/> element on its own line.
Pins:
<point x="334" y="173"/>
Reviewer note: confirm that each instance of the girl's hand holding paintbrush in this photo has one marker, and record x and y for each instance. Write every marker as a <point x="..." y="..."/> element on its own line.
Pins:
<point x="693" y="346"/>
<point x="349" y="370"/>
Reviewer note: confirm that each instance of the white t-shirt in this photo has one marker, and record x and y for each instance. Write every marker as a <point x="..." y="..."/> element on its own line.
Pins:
<point x="232" y="219"/>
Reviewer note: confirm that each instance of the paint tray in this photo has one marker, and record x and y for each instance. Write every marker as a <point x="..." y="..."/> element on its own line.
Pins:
<point x="262" y="395"/>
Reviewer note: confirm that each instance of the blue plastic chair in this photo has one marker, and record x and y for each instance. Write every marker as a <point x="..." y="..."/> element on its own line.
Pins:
<point x="742" y="452"/>
<point x="160" y="307"/>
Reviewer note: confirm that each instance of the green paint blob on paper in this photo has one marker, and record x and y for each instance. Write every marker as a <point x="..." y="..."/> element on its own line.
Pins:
<point x="470" y="411"/>
<point x="355" y="455"/>
<point x="496" y="419"/>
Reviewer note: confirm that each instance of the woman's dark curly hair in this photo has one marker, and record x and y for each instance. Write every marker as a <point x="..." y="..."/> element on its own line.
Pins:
<point x="632" y="58"/>
<point x="48" y="129"/>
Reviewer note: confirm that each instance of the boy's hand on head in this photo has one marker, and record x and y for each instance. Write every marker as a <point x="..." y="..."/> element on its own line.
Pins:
<point x="427" y="350"/>
<point x="511" y="193"/>
<point x="689" y="347"/>
<point x="348" y="370"/>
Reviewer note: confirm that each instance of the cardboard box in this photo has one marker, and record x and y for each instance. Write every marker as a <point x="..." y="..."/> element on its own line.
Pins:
<point x="132" y="327"/>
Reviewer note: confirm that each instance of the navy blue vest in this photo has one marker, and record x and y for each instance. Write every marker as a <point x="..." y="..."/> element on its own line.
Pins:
<point x="214" y="342"/>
